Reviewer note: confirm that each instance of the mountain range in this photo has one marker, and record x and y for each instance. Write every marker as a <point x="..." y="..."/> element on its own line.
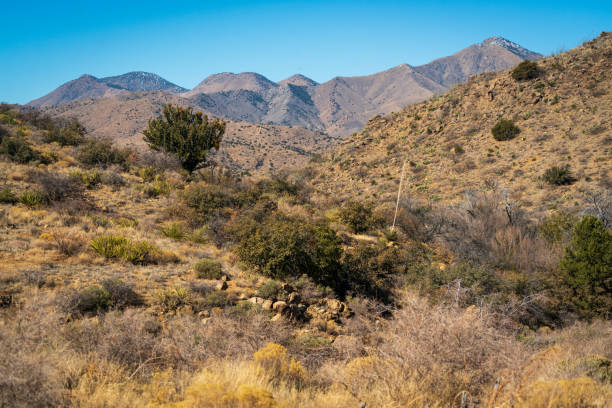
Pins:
<point x="337" y="107"/>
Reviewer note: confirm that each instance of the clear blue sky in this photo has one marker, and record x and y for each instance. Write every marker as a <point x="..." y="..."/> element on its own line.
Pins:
<point x="44" y="44"/>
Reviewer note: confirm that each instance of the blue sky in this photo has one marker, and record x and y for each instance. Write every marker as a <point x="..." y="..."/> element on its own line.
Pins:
<point x="44" y="44"/>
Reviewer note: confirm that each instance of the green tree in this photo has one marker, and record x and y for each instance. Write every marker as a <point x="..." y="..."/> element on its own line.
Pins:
<point x="186" y="134"/>
<point x="587" y="267"/>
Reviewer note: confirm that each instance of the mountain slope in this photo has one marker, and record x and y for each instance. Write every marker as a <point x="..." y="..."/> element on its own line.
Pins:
<point x="338" y="107"/>
<point x="563" y="117"/>
<point x="87" y="86"/>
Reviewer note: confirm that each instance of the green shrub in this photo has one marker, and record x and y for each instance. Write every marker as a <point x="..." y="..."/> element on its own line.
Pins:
<point x="91" y="300"/>
<point x="33" y="198"/>
<point x="17" y="149"/>
<point x="71" y="134"/>
<point x="586" y="268"/>
<point x="159" y="187"/>
<point x="185" y="134"/>
<point x="136" y="252"/>
<point x="206" y="199"/>
<point x="218" y="298"/>
<point x="103" y="153"/>
<point x="270" y="290"/>
<point x="7" y="196"/>
<point x="558" y="175"/>
<point x="505" y="130"/>
<point x="281" y="247"/>
<point x="171" y="299"/>
<point x="358" y="216"/>
<point x="148" y="173"/>
<point x="208" y="269"/>
<point x="175" y="230"/>
<point x="90" y="179"/>
<point x="525" y="70"/>
<point x="558" y="226"/>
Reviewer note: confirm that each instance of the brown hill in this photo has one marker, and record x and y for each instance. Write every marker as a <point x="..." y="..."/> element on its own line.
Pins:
<point x="246" y="147"/>
<point x="563" y="116"/>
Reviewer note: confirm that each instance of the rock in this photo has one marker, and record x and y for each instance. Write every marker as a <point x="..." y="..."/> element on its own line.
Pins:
<point x="225" y="278"/>
<point x="279" y="306"/>
<point x="267" y="304"/>
<point x="221" y="285"/>
<point x="242" y="296"/>
<point x="276" y="317"/>
<point x="204" y="314"/>
<point x="256" y="300"/>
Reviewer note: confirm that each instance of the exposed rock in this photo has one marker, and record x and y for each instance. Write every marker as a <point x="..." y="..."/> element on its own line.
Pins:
<point x="294" y="297"/>
<point x="267" y="304"/>
<point x="279" y="306"/>
<point x="221" y="285"/>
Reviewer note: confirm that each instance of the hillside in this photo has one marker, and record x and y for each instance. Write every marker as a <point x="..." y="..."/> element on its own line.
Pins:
<point x="563" y="116"/>
<point x="246" y="147"/>
<point x="337" y="107"/>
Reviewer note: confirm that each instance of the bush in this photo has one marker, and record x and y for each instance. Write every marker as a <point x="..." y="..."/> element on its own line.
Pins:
<point x="208" y="269"/>
<point x="91" y="300"/>
<point x="274" y="360"/>
<point x="33" y="198"/>
<point x="121" y="294"/>
<point x="159" y="187"/>
<point x="102" y="153"/>
<point x="281" y="247"/>
<point x="55" y="186"/>
<point x="148" y="173"/>
<point x="525" y="70"/>
<point x="270" y="290"/>
<point x="70" y="134"/>
<point x="206" y="199"/>
<point x="175" y="230"/>
<point x="557" y="227"/>
<point x="187" y="135"/>
<point x="505" y="130"/>
<point x="218" y="298"/>
<point x="558" y="175"/>
<point x="136" y="252"/>
<point x="358" y="216"/>
<point x="7" y="196"/>
<point x="586" y="268"/>
<point x="17" y="149"/>
<point x="171" y="299"/>
<point x="90" y="179"/>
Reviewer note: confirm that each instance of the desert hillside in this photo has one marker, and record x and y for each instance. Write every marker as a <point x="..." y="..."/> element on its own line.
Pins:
<point x="246" y="147"/>
<point x="134" y="278"/>
<point x="563" y="116"/>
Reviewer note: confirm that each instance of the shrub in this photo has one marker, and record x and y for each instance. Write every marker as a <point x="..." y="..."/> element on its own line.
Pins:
<point x="121" y="294"/>
<point x="281" y="247"/>
<point x="7" y="196"/>
<point x="90" y="179"/>
<point x="218" y="298"/>
<point x="70" y="134"/>
<point x="171" y="299"/>
<point x="136" y="252"/>
<point x="148" y="173"/>
<point x="505" y="130"/>
<point x="557" y="227"/>
<point x="175" y="230"/>
<point x="187" y="135"/>
<point x="91" y="300"/>
<point x="33" y="198"/>
<point x="270" y="290"/>
<point x="274" y="360"/>
<point x="208" y="269"/>
<point x="586" y="268"/>
<point x="358" y="216"/>
<point x="558" y="175"/>
<point x="17" y="149"/>
<point x="55" y="186"/>
<point x="525" y="70"/>
<point x="159" y="187"/>
<point x="206" y="199"/>
<point x="103" y="153"/>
